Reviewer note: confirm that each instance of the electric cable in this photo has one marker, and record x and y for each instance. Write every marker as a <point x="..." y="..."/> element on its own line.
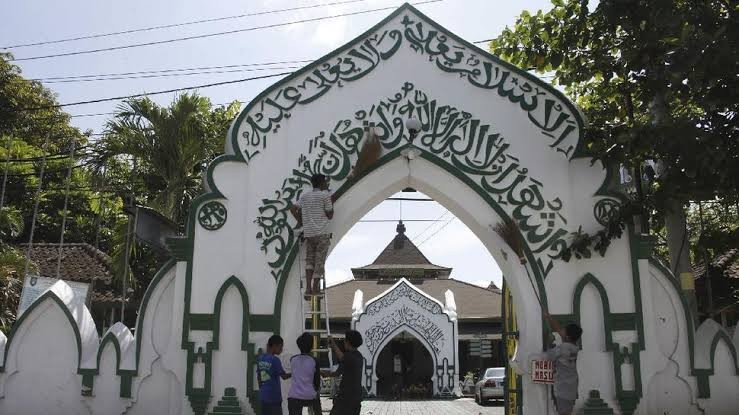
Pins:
<point x="171" y="25"/>
<point x="199" y="68"/>
<point x="167" y="91"/>
<point x="214" y="34"/>
<point x="166" y="75"/>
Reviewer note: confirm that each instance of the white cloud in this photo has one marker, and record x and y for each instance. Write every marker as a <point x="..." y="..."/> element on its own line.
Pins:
<point x="331" y="33"/>
<point x="337" y="275"/>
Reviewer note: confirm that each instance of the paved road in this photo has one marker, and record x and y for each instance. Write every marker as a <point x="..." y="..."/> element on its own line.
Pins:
<point x="462" y="406"/>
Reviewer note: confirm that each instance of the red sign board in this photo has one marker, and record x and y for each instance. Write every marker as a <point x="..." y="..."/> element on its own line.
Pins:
<point x="542" y="371"/>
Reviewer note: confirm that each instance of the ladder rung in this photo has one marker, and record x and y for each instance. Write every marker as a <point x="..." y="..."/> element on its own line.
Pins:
<point x="316" y="331"/>
<point x="321" y="350"/>
<point x="315" y="312"/>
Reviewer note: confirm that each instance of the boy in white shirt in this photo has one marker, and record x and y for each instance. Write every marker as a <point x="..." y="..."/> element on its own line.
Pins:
<point x="564" y="357"/>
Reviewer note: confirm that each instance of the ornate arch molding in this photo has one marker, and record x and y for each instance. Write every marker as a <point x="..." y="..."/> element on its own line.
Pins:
<point x="708" y="336"/>
<point x="82" y="325"/>
<point x="404" y="307"/>
<point x="622" y="354"/>
<point x="200" y="397"/>
<point x="123" y="344"/>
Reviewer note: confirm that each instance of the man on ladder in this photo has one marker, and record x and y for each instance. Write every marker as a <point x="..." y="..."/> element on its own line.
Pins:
<point x="314" y="210"/>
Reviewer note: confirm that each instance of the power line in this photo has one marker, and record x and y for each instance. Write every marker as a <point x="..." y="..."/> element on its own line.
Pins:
<point x="113" y="113"/>
<point x="167" y="91"/>
<point x="201" y="68"/>
<point x="437" y="231"/>
<point x="208" y="35"/>
<point x="167" y="26"/>
<point x="446" y="211"/>
<point x="167" y="75"/>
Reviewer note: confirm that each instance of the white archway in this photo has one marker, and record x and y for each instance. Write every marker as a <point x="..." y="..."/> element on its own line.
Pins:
<point x="404" y="307"/>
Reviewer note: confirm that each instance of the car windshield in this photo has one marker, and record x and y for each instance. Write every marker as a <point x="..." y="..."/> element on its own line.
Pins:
<point x="495" y="372"/>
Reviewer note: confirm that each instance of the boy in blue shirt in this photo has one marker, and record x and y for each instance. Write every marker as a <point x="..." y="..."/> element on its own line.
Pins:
<point x="269" y="372"/>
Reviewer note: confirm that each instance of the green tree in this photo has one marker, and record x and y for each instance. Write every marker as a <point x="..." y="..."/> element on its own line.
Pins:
<point x="657" y="81"/>
<point x="26" y="134"/>
<point x="168" y="147"/>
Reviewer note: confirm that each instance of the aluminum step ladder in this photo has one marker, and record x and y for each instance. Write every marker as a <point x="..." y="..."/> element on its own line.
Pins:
<point x="313" y="311"/>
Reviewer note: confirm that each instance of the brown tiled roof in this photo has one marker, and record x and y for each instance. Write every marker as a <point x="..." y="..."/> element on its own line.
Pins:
<point x="402" y="253"/>
<point x="80" y="262"/>
<point x="473" y="302"/>
<point x="727" y="263"/>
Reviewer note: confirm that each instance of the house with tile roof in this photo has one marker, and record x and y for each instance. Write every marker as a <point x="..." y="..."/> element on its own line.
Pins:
<point x="404" y="364"/>
<point x="718" y="296"/>
<point x="81" y="262"/>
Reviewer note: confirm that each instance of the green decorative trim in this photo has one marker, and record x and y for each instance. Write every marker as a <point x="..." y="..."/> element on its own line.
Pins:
<point x="622" y="321"/>
<point x="229" y="403"/>
<point x="213" y="322"/>
<point x="126" y="375"/>
<point x="628" y="401"/>
<point x="87" y="384"/>
<point x="613" y="322"/>
<point x="199" y="400"/>
<point x="605" y="210"/>
<point x="703" y="374"/>
<point x="236" y="283"/>
<point x="645" y="246"/>
<point x="579" y="288"/>
<point x="212" y="215"/>
<point x="263" y="322"/>
<point x="635" y="243"/>
<point x="180" y="248"/>
<point x="201" y="321"/>
<point x="595" y="405"/>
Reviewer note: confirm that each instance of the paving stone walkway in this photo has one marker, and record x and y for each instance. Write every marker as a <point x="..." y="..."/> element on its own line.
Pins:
<point x="462" y="406"/>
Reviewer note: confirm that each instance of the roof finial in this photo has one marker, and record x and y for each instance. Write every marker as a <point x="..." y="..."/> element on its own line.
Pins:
<point x="400" y="228"/>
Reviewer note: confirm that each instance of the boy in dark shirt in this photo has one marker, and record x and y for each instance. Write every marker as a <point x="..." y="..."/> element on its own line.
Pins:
<point x="269" y="372"/>
<point x="349" y="399"/>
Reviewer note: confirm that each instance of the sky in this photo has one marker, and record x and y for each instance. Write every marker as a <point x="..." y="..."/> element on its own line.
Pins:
<point x="447" y="242"/>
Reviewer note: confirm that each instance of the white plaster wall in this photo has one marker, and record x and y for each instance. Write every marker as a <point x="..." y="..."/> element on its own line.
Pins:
<point x="41" y="371"/>
<point x="668" y="386"/>
<point x="229" y="361"/>
<point x="724" y="384"/>
<point x="160" y="386"/>
<point x="594" y="363"/>
<point x="106" y="391"/>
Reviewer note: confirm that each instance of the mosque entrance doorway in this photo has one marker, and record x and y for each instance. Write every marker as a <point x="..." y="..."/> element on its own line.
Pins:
<point x="404" y="369"/>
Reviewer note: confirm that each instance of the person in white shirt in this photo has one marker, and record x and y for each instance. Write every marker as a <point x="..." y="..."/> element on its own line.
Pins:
<point x="314" y="210"/>
<point x="564" y="357"/>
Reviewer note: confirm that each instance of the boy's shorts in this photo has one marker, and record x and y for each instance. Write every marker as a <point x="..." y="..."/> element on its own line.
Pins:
<point x="563" y="406"/>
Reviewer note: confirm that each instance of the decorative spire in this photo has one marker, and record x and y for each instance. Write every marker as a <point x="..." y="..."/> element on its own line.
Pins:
<point x="399" y="240"/>
<point x="400" y="228"/>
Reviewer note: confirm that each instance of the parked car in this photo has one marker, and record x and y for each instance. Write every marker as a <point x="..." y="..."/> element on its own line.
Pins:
<point x="491" y="385"/>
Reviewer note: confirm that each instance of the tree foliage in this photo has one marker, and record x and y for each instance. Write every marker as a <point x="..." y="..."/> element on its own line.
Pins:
<point x="616" y="59"/>
<point x="656" y="79"/>
<point x="169" y="146"/>
<point x="149" y="154"/>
